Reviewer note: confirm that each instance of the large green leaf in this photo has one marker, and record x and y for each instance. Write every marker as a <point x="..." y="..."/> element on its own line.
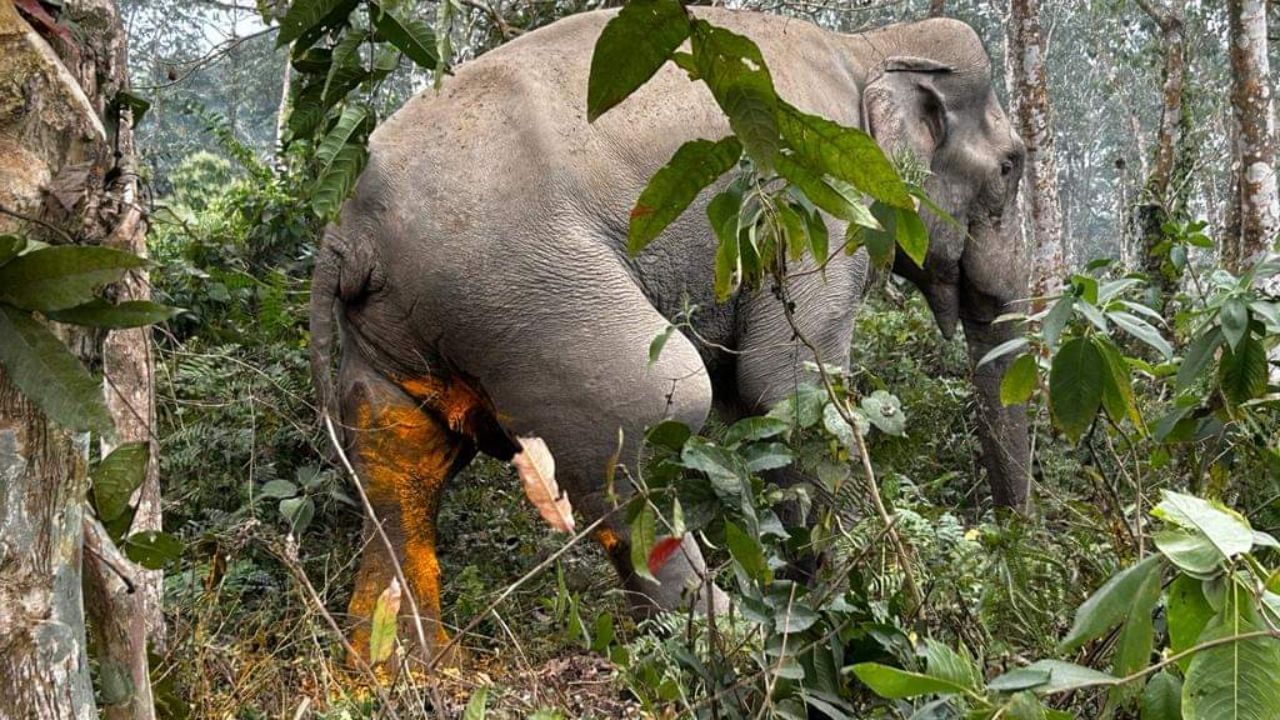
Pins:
<point x="1191" y="552"/>
<point x="1188" y="612"/>
<point x="895" y="684"/>
<point x="337" y="137"/>
<point x="747" y="553"/>
<point x="632" y="47"/>
<point x="1075" y="385"/>
<point x="696" y="165"/>
<point x="57" y="278"/>
<point x="1137" y="635"/>
<point x="1162" y="698"/>
<point x="44" y="370"/>
<point x="643" y="532"/>
<point x="1239" y="680"/>
<point x="733" y="68"/>
<point x="1050" y="676"/>
<point x="333" y="187"/>
<point x="1229" y="532"/>
<point x="1199" y="355"/>
<point x="344" y="55"/>
<point x="1019" y="381"/>
<point x="117" y="476"/>
<point x="311" y="18"/>
<point x="10" y="246"/>
<point x="956" y="667"/>
<point x="816" y="189"/>
<point x="845" y="153"/>
<point x="1144" y="331"/>
<point x="153" y="549"/>
<point x="411" y="36"/>
<point x="1117" y="384"/>
<point x="754" y="428"/>
<point x="1112" y="603"/>
<point x="102" y="314"/>
<point x="1242" y="372"/>
<point x="1234" y="317"/>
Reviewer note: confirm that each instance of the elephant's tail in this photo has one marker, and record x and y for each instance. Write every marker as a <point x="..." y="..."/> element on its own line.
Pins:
<point x="324" y="309"/>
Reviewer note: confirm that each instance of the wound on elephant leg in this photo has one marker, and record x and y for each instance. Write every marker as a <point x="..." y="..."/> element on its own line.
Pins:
<point x="405" y="456"/>
<point x="466" y="410"/>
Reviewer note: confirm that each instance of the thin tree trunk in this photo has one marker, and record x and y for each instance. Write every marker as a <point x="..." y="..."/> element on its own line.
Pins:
<point x="1255" y="122"/>
<point x="1029" y="96"/>
<point x="937" y="8"/>
<point x="282" y="112"/>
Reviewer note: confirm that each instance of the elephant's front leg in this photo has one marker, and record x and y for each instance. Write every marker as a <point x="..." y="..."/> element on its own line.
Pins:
<point x="405" y="456"/>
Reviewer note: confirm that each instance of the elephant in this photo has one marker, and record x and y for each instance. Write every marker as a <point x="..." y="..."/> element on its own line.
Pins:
<point x="480" y="288"/>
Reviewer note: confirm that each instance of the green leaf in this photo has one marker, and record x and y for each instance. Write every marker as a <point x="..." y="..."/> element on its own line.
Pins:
<point x="955" y="667"/>
<point x="1005" y="348"/>
<point x="796" y="617"/>
<point x="659" y="341"/>
<point x="1075" y="386"/>
<point x="1190" y="552"/>
<point x="1142" y="330"/>
<point x="834" y="423"/>
<point x="1019" y="381"/>
<point x="1057" y="677"/>
<point x="1226" y="529"/>
<point x="1239" y="680"/>
<point x="475" y="709"/>
<point x="342" y="57"/>
<point x="754" y="428"/>
<point x="1241" y="373"/>
<point x="1133" y="648"/>
<point x="885" y="412"/>
<point x="1057" y="319"/>
<point x="912" y="236"/>
<point x="1188" y="612"/>
<point x="278" y="489"/>
<point x="632" y="47"/>
<point x="766" y="456"/>
<point x="1199" y="355"/>
<point x="643" y="530"/>
<point x="152" y="549"/>
<point x="747" y="553"/>
<point x="880" y="243"/>
<point x="333" y="187"/>
<point x="298" y="511"/>
<point x="341" y="132"/>
<point x="1234" y="316"/>
<point x="102" y="314"/>
<point x="1162" y="698"/>
<point x="696" y="165"/>
<point x="117" y="476"/>
<point x="410" y="35"/>
<point x="816" y="189"/>
<point x="848" y="154"/>
<point x="45" y="371"/>
<point x="382" y="630"/>
<point x="1111" y="603"/>
<point x="669" y="434"/>
<point x="894" y="684"/>
<point x="734" y="70"/>
<point x="1117" y="385"/>
<point x="310" y="17"/>
<point x="57" y="278"/>
<point x="10" y="246"/>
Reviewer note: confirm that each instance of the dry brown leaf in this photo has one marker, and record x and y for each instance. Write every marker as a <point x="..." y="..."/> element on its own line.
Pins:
<point x="538" y="474"/>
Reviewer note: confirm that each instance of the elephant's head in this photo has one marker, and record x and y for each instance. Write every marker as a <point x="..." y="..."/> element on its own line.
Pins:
<point x="930" y="94"/>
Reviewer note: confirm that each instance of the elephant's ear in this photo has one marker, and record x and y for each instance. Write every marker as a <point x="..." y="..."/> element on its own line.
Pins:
<point x="903" y="107"/>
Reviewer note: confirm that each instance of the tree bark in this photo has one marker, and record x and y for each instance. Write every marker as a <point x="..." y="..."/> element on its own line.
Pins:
<point x="1029" y="97"/>
<point x="63" y="161"/>
<point x="1255" y="122"/>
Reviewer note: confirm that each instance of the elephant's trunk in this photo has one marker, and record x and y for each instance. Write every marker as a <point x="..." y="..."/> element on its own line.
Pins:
<point x="1006" y="444"/>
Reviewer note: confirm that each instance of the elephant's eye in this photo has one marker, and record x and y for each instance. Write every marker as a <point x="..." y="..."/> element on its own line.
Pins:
<point x="1006" y="167"/>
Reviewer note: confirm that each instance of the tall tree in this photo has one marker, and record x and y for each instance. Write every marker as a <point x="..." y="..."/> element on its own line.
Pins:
<point x="1259" y="209"/>
<point x="1029" y="97"/>
<point x="1159" y="203"/>
<point x="66" y="179"/>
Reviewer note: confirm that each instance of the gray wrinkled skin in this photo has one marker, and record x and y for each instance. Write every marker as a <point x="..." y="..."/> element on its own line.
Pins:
<point x="487" y="237"/>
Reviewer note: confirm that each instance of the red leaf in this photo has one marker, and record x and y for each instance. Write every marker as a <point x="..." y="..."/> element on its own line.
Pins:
<point x="662" y="552"/>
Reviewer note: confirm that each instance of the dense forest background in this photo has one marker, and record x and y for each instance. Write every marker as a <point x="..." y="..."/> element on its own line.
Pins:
<point x="232" y="168"/>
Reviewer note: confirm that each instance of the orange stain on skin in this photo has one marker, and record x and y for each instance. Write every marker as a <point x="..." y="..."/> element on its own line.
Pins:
<point x="608" y="539"/>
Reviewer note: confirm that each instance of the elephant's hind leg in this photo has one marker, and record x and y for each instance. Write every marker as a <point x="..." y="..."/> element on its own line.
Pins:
<point x="405" y="454"/>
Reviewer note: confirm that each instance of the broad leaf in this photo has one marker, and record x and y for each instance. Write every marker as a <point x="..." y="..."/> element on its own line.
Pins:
<point x="845" y="153"/>
<point x="885" y="412"/>
<point x="1144" y="331"/>
<point x="343" y="56"/>
<point x="102" y="314"/>
<point x="44" y="370"/>
<point x="333" y="187"/>
<point x="10" y="246"/>
<point x="310" y="18"/>
<point x="57" y="278"/>
<point x="1234" y="317"/>
<point x="152" y="549"/>
<point x="816" y="189"/>
<point x="1112" y="602"/>
<point x="117" y="476"/>
<point x="1242" y="373"/>
<point x="734" y="70"/>
<point x="912" y="236"/>
<point x="643" y="530"/>
<point x="1188" y="612"/>
<point x="475" y="709"/>
<point x="1019" y="381"/>
<point x="1162" y="698"/>
<point x="382" y="631"/>
<point x="754" y="428"/>
<point x="1191" y="552"/>
<point x="410" y="35"/>
<point x="1239" y="680"/>
<point x="895" y="684"/>
<point x="659" y="341"/>
<point x="1057" y="319"/>
<point x="956" y="667"/>
<point x="1057" y="677"/>
<point x="1199" y="355"/>
<point x="337" y="137"/>
<point x="1226" y="529"/>
<point x="1075" y="386"/>
<point x="631" y="48"/>
<point x="747" y="553"/>
<point x="1117" y="385"/>
<point x="696" y="165"/>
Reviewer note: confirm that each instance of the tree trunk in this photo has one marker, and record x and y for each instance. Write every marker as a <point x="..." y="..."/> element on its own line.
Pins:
<point x="1255" y="122"/>
<point x="937" y="8"/>
<point x="1029" y="97"/>
<point x="64" y="162"/>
